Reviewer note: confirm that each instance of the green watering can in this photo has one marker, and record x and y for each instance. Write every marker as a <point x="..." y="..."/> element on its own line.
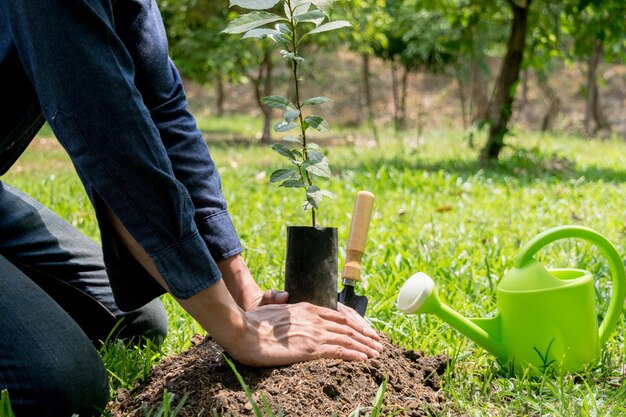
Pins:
<point x="547" y="318"/>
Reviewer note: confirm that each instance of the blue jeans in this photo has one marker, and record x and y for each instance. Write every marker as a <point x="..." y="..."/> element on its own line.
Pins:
<point x="55" y="304"/>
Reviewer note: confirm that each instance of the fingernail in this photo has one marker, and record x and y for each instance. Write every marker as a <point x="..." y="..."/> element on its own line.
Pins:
<point x="378" y="346"/>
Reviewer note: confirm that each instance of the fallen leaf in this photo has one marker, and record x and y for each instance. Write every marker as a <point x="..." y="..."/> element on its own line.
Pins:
<point x="576" y="217"/>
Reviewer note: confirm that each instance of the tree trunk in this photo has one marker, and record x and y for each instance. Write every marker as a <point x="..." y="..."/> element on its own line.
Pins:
<point x="369" y="102"/>
<point x="461" y="82"/>
<point x="396" y="94"/>
<point x="593" y="109"/>
<point x="500" y="108"/>
<point x="554" y="103"/>
<point x="267" y="113"/>
<point x="262" y="84"/>
<point x="219" y="95"/>
<point x="479" y="98"/>
<point x="403" y="94"/>
<point x="524" y="99"/>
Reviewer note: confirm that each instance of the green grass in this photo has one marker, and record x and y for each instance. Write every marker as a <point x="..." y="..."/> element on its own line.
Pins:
<point x="436" y="211"/>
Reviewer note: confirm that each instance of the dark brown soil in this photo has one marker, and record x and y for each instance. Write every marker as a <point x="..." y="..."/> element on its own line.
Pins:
<point x="318" y="388"/>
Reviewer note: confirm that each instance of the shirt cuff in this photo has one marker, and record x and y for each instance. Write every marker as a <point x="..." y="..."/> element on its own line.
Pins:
<point x="219" y="235"/>
<point x="187" y="267"/>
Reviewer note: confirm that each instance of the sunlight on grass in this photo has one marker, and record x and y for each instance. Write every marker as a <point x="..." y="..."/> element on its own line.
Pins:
<point x="436" y="211"/>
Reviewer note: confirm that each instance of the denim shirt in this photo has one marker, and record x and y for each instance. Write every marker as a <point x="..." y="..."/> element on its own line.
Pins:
<point x="101" y="76"/>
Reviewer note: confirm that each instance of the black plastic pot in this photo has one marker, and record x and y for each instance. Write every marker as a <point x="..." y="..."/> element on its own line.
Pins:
<point x="311" y="265"/>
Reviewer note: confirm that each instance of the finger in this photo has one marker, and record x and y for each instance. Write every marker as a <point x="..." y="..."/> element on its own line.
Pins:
<point x="350" y="312"/>
<point x="350" y="343"/>
<point x="274" y="297"/>
<point x="345" y="319"/>
<point x="348" y="337"/>
<point x="339" y="352"/>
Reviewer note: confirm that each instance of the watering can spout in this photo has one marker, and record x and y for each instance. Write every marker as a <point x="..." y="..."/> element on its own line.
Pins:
<point x="418" y="295"/>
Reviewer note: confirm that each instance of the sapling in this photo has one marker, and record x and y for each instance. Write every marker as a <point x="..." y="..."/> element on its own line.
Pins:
<point x="288" y="26"/>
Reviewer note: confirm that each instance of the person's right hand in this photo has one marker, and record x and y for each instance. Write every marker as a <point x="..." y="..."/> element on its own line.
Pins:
<point x="283" y="334"/>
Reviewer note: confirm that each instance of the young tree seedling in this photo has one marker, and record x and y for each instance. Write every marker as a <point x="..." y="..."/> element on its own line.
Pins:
<point x="288" y="26"/>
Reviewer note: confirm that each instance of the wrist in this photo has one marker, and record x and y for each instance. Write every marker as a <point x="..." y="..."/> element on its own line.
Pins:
<point x="239" y="282"/>
<point x="218" y="313"/>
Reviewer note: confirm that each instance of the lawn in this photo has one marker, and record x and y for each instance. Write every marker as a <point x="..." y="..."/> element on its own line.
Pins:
<point x="436" y="211"/>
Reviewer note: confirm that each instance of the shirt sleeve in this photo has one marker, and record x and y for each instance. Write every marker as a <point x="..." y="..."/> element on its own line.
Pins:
<point x="162" y="186"/>
<point x="193" y="166"/>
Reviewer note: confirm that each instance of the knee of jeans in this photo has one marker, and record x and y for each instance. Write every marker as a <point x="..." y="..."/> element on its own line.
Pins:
<point x="148" y="322"/>
<point x="63" y="385"/>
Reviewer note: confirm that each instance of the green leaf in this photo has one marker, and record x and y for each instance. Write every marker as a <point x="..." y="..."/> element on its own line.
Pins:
<point x="292" y="184"/>
<point x="291" y="55"/>
<point x="282" y="174"/>
<point x="255" y="406"/>
<point x="301" y="6"/>
<point x="297" y="153"/>
<point x="328" y="194"/>
<point x="320" y="168"/>
<point x="284" y="126"/>
<point x="323" y="5"/>
<point x="337" y="24"/>
<point x="251" y="21"/>
<point x="314" y="16"/>
<point x="254" y="4"/>
<point x="291" y="115"/>
<point x="315" y="156"/>
<point x="379" y="398"/>
<point x="281" y="39"/>
<point x="293" y="139"/>
<point x="318" y="123"/>
<point x="284" y="29"/>
<point x="259" y="33"/>
<point x="283" y="150"/>
<point x="278" y="102"/>
<point x="315" y="100"/>
<point x="314" y="196"/>
<point x="312" y="145"/>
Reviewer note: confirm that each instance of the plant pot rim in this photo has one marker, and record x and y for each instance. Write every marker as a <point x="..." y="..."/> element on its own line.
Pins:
<point x="310" y="227"/>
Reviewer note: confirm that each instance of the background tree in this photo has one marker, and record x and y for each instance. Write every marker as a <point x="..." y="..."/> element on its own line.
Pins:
<point x="369" y="21"/>
<point x="545" y="54"/>
<point x="501" y="105"/>
<point x="598" y="29"/>
<point x="206" y="56"/>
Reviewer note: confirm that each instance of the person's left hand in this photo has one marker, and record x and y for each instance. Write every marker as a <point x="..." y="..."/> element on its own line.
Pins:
<point x="266" y="298"/>
<point x="244" y="289"/>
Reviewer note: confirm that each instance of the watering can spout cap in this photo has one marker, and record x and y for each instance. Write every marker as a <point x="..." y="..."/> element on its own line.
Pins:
<point x="531" y="276"/>
<point x="415" y="294"/>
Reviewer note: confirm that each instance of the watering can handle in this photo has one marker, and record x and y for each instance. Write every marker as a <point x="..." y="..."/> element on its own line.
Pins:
<point x="606" y="248"/>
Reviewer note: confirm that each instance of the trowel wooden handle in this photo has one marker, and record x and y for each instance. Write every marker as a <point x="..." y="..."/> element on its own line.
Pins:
<point x="358" y="235"/>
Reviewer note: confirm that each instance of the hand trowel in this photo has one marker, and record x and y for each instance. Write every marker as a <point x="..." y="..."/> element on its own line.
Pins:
<point x="354" y="252"/>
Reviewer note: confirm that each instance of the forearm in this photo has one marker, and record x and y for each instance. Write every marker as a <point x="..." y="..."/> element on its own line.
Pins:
<point x="239" y="282"/>
<point x="213" y="308"/>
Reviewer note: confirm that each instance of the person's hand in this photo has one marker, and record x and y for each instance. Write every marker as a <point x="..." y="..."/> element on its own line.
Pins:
<point x="269" y="335"/>
<point x="263" y="298"/>
<point x="284" y="334"/>
<point x="244" y="288"/>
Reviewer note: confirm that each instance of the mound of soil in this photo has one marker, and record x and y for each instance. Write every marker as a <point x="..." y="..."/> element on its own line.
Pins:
<point x="318" y="388"/>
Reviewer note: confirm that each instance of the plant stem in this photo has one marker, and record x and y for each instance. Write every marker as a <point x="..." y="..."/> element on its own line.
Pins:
<point x="294" y="44"/>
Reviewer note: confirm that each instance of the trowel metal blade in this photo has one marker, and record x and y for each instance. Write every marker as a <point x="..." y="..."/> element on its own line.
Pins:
<point x="348" y="297"/>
